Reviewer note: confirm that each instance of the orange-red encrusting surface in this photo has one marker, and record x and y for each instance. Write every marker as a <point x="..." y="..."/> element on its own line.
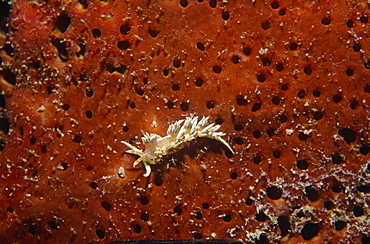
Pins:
<point x="288" y="81"/>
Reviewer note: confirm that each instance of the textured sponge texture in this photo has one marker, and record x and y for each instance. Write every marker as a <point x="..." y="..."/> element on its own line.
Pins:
<point x="287" y="81"/>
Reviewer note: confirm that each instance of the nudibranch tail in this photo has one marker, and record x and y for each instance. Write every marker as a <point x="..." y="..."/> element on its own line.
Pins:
<point x="148" y="170"/>
<point x="177" y="137"/>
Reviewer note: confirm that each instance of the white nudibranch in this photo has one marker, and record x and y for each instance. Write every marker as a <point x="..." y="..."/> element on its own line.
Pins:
<point x="177" y="138"/>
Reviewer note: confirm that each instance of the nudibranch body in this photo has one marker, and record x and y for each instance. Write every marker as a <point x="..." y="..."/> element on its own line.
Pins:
<point x="179" y="134"/>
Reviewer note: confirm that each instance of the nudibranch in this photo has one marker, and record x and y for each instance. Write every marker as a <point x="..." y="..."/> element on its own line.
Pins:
<point x="179" y="135"/>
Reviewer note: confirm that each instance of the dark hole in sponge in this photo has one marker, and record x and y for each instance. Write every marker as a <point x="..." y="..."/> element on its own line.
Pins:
<point x="261" y="217"/>
<point x="257" y="134"/>
<point x="310" y="230"/>
<point x="89" y="114"/>
<point x="2" y="145"/>
<point x="339" y="225"/>
<point x="358" y="211"/>
<point x="205" y="205"/>
<point x="302" y="164"/>
<point x="356" y="47"/>
<point x="274" y="192"/>
<point x="301" y="94"/>
<point x="262" y="239"/>
<point x="210" y="104"/>
<point x="177" y="63"/>
<point x="123" y="45"/>
<point x="10" y="77"/>
<point x="276" y="154"/>
<point x="284" y="225"/>
<point x="367" y="88"/>
<point x="229" y="154"/>
<point x="177" y="210"/>
<point x="337" y="188"/>
<point x="125" y="29"/>
<point x="144" y="200"/>
<point x="170" y="105"/>
<point x="248" y="201"/>
<point x="175" y="87"/>
<point x="325" y="21"/>
<point x="364" y="19"/>
<point x="4" y="9"/>
<point x="200" y="46"/>
<point x="238" y="127"/>
<point x="219" y="121"/>
<point x="329" y="205"/>
<point x="363" y="188"/>
<point x="275" y="5"/>
<point x="63" y="22"/>
<point x="198" y="215"/>
<point x="276" y="100"/>
<point x="283" y="118"/>
<point x="367" y="64"/>
<point x="93" y="185"/>
<point x="89" y="92"/>
<point x="312" y="194"/>
<point x="77" y="138"/>
<point x="337" y="98"/>
<point x="257" y="159"/>
<point x="213" y="3"/>
<point x="199" y="82"/>
<point x="266" y="62"/>
<point x="302" y="136"/>
<point x="144" y="216"/>
<point x="247" y="51"/>
<point x="225" y="15"/>
<point x="100" y="233"/>
<point x="153" y="33"/>
<point x="184" y="107"/>
<point x="53" y="225"/>
<point x="365" y="240"/>
<point x="217" y="69"/>
<point x="137" y="228"/>
<point x="64" y="166"/>
<point x="4" y="125"/>
<point x="61" y="48"/>
<point x="261" y="78"/>
<point x="234" y="175"/>
<point x="318" y="115"/>
<point x="9" y="50"/>
<point x="279" y="68"/>
<point x="307" y="70"/>
<point x="235" y="59"/>
<point x="256" y="107"/>
<point x="226" y="218"/>
<point x="96" y="33"/>
<point x="32" y="230"/>
<point x="106" y="206"/>
<point x="265" y="25"/>
<point x="2" y="101"/>
<point x="337" y="159"/>
<point x="33" y="140"/>
<point x="158" y="180"/>
<point x="350" y="23"/>
<point x="239" y="140"/>
<point x="364" y="149"/>
<point x="348" y="135"/>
